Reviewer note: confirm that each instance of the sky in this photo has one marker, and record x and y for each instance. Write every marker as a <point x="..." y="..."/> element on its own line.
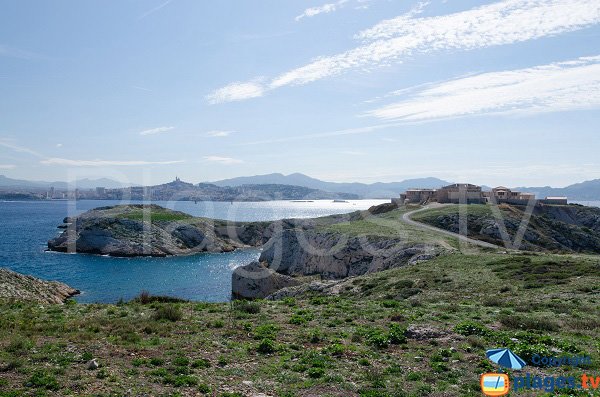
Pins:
<point x="487" y="92"/>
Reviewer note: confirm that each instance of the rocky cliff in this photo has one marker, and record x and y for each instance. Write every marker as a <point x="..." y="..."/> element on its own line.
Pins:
<point x="333" y="255"/>
<point x="310" y="248"/>
<point x="15" y="286"/>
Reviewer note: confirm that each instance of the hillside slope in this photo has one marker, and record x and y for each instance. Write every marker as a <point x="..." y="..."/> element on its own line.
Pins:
<point x="416" y="331"/>
<point x="568" y="228"/>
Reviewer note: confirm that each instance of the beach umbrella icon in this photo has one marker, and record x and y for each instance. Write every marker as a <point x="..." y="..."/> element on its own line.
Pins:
<point x="505" y="358"/>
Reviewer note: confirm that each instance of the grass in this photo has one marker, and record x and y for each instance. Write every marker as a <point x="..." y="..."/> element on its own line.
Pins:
<point x="354" y="344"/>
<point x="389" y="225"/>
<point x="537" y="272"/>
<point x="155" y="214"/>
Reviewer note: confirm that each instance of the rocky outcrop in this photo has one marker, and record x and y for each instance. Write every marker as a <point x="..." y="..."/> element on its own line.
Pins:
<point x="136" y="230"/>
<point x="16" y="286"/>
<point x="334" y="256"/>
<point x="256" y="280"/>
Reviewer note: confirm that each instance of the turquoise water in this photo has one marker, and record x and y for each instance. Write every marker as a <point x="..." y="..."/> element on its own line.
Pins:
<point x="25" y="227"/>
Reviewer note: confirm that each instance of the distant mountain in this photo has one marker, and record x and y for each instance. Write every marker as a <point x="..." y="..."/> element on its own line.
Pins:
<point x="85" y="183"/>
<point x="588" y="190"/>
<point x="373" y="190"/>
<point x="184" y="191"/>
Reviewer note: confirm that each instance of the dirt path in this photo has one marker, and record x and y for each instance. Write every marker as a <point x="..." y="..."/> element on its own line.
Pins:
<point x="407" y="219"/>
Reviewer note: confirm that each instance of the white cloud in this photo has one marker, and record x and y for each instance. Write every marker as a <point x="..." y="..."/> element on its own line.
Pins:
<point x="153" y="10"/>
<point x="555" y="87"/>
<point x="391" y="41"/>
<point x="236" y="92"/>
<point x="137" y="87"/>
<point x="159" y="130"/>
<point x="59" y="145"/>
<point x="103" y="163"/>
<point x="218" y="133"/>
<point x="9" y="144"/>
<point x="223" y="160"/>
<point x="323" y="9"/>
<point x="7" y="166"/>
<point x="328" y="134"/>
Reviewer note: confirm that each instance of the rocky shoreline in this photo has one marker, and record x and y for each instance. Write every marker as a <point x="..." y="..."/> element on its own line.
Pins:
<point x="20" y="287"/>
<point x="292" y="248"/>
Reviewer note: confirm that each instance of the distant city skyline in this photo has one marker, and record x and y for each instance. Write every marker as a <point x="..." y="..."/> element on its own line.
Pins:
<point x="487" y="92"/>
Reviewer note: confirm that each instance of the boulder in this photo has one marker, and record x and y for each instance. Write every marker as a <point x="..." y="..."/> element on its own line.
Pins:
<point x="92" y="365"/>
<point x="256" y="280"/>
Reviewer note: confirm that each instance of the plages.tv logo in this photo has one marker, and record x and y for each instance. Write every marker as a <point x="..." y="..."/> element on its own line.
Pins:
<point x="493" y="384"/>
<point x="498" y="384"/>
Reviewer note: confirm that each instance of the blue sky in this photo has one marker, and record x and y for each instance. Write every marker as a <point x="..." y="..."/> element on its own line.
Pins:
<point x="504" y="92"/>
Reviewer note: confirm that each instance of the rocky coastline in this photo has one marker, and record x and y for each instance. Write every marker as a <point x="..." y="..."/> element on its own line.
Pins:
<point x="20" y="287"/>
<point x="151" y="230"/>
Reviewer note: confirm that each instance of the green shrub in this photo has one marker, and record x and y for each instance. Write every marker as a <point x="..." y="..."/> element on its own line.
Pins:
<point x="145" y="298"/>
<point x="181" y="361"/>
<point x="377" y="338"/>
<point x="390" y="303"/>
<point x="43" y="380"/>
<point x="266" y="331"/>
<point x="19" y="344"/>
<point x="397" y="334"/>
<point x="218" y="324"/>
<point x="250" y="307"/>
<point x="467" y="328"/>
<point x="181" y="380"/>
<point x="316" y="372"/>
<point x="266" y="346"/>
<point x="156" y="361"/>
<point x="138" y="362"/>
<point x="301" y="317"/>
<point x="337" y="349"/>
<point x="201" y="363"/>
<point x="169" y="313"/>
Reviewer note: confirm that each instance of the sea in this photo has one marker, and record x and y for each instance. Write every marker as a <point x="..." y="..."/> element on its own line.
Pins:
<point x="26" y="226"/>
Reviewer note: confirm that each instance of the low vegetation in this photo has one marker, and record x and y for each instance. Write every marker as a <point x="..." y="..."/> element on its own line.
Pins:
<point x="420" y="330"/>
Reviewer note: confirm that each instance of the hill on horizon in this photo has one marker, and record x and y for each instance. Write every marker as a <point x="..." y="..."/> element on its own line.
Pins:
<point x="366" y="190"/>
<point x="587" y="190"/>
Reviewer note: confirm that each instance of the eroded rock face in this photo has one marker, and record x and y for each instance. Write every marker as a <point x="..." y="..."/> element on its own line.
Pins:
<point x="123" y="231"/>
<point x="16" y="286"/>
<point x="335" y="256"/>
<point x="256" y="280"/>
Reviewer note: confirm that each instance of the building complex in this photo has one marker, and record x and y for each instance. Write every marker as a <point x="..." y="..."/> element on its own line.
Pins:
<point x="466" y="193"/>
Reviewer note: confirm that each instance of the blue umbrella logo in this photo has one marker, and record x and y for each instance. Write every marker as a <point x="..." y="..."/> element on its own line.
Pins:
<point x="505" y="358"/>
